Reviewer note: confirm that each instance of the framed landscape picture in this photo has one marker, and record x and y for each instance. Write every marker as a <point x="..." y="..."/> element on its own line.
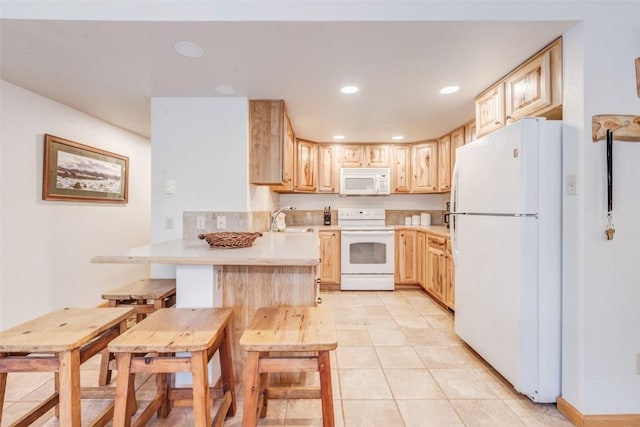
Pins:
<point x="78" y="172"/>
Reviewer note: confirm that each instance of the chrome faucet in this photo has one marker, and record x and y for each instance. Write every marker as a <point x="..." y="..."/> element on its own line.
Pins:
<point x="275" y="213"/>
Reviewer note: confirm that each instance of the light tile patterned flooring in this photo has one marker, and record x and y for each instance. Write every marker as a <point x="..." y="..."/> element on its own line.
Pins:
<point x="398" y="363"/>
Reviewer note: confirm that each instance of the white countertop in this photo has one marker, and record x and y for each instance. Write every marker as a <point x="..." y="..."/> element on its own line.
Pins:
<point x="268" y="249"/>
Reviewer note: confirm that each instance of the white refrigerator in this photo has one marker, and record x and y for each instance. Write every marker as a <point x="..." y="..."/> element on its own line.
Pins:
<point x="506" y="215"/>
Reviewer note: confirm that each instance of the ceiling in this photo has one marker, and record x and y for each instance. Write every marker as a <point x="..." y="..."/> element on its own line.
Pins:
<point x="111" y="70"/>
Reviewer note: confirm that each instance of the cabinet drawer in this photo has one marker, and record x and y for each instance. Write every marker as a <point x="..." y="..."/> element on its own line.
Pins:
<point x="436" y="242"/>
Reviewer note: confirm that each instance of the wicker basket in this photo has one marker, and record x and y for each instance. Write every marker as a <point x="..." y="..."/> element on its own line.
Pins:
<point x="229" y="239"/>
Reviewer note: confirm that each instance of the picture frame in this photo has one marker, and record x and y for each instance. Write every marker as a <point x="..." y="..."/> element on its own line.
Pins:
<point x="78" y="172"/>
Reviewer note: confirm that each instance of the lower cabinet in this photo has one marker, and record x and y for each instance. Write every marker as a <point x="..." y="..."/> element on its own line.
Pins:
<point x="450" y="281"/>
<point x="329" y="256"/>
<point x="421" y="255"/>
<point x="437" y="266"/>
<point x="405" y="254"/>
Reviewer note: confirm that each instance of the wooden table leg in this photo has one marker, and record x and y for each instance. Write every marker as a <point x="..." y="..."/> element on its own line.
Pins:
<point x="201" y="399"/>
<point x="69" y="392"/>
<point x="124" y="387"/>
<point x="251" y="390"/>
<point x="326" y="392"/>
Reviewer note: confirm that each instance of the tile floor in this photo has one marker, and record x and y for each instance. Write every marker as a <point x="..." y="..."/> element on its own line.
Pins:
<point x="398" y="363"/>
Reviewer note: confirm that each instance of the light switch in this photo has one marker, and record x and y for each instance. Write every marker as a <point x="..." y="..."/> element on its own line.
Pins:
<point x="572" y="185"/>
<point x="221" y="222"/>
<point x="170" y="186"/>
<point x="168" y="223"/>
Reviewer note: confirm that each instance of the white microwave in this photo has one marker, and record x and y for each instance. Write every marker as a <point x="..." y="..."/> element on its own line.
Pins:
<point x="365" y="181"/>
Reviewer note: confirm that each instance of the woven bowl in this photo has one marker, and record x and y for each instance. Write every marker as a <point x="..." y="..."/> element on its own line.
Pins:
<point x="229" y="239"/>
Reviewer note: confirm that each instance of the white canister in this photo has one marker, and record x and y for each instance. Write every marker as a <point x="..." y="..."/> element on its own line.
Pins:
<point x="425" y="218"/>
<point x="415" y="219"/>
<point x="407" y="220"/>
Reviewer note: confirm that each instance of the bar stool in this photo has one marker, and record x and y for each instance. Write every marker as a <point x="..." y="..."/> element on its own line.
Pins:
<point x="60" y="342"/>
<point x="289" y="330"/>
<point x="198" y="331"/>
<point x="145" y="296"/>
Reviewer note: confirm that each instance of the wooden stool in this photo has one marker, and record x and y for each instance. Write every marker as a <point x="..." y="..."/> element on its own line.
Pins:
<point x="60" y="342"/>
<point x="198" y="331"/>
<point x="290" y="330"/>
<point x="145" y="296"/>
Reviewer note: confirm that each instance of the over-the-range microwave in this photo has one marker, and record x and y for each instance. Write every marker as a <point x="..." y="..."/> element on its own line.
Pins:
<point x="365" y="181"/>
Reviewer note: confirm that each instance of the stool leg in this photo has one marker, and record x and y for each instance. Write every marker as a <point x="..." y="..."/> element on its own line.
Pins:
<point x="201" y="399"/>
<point x="125" y="386"/>
<point x="105" y="371"/>
<point x="324" y="367"/>
<point x="251" y="390"/>
<point x="226" y="368"/>
<point x="3" y="387"/>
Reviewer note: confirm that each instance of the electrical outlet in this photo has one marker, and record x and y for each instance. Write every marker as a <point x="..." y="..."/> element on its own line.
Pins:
<point x="168" y="223"/>
<point x="309" y="218"/>
<point x="221" y="222"/>
<point x="170" y="186"/>
<point x="200" y="222"/>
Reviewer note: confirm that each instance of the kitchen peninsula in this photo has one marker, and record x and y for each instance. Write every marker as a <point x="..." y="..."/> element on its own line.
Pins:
<point x="280" y="269"/>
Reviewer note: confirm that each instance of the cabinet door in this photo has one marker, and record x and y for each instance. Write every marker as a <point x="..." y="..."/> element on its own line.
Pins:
<point x="450" y="282"/>
<point x="470" y="131"/>
<point x="401" y="169"/>
<point x="329" y="257"/>
<point x="421" y="258"/>
<point x="436" y="266"/>
<point x="490" y="110"/>
<point x="306" y="167"/>
<point x="405" y="256"/>
<point x="528" y="89"/>
<point x="377" y="156"/>
<point x="327" y="179"/>
<point x="352" y="155"/>
<point x="266" y="140"/>
<point x="444" y="163"/>
<point x="425" y="167"/>
<point x="288" y="159"/>
<point x="457" y="141"/>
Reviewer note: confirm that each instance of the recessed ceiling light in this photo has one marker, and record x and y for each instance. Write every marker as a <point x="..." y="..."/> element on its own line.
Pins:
<point x="188" y="49"/>
<point x="397" y="137"/>
<point x="338" y="136"/>
<point x="349" y="89"/>
<point x="224" y="89"/>
<point x="449" y="89"/>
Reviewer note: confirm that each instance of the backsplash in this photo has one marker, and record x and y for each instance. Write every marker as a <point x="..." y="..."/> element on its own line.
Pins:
<point x="234" y="221"/>
<point x="261" y="221"/>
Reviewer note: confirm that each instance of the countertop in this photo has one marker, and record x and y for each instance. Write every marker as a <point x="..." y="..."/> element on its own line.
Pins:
<point x="295" y="249"/>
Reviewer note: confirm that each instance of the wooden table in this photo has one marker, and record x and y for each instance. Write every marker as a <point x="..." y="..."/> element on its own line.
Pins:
<point x="60" y="342"/>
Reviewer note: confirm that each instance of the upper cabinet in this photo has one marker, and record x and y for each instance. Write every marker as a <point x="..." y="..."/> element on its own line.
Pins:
<point x="425" y="167"/>
<point x="401" y="168"/>
<point x="327" y="168"/>
<point x="532" y="89"/>
<point x="457" y="141"/>
<point x="306" y="173"/>
<point x="444" y="163"/>
<point x="470" y="131"/>
<point x="268" y="139"/>
<point x="365" y="156"/>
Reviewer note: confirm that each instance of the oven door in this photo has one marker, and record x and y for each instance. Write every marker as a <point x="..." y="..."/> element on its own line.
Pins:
<point x="366" y="252"/>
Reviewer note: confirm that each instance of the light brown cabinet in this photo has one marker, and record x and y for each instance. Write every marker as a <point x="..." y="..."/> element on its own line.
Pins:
<point x="401" y="168"/>
<point x="424" y="167"/>
<point x="470" y="131"/>
<point x="305" y="178"/>
<point x="329" y="256"/>
<point x="421" y="258"/>
<point x="532" y="89"/>
<point x="365" y="155"/>
<point x="450" y="278"/>
<point x="270" y="139"/>
<point x="457" y="141"/>
<point x="490" y="110"/>
<point x="405" y="254"/>
<point x="444" y="163"/>
<point x="436" y="264"/>
<point x="327" y="169"/>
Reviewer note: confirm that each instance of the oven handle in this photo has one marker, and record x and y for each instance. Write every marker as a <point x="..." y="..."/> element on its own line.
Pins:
<point x="383" y="233"/>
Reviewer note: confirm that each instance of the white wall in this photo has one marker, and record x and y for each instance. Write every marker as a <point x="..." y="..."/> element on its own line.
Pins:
<point x="46" y="246"/>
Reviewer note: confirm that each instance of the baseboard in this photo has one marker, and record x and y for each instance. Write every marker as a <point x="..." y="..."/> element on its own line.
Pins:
<point x="610" y="420"/>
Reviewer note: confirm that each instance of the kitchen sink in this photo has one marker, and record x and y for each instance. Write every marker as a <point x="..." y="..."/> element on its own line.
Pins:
<point x="300" y="230"/>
